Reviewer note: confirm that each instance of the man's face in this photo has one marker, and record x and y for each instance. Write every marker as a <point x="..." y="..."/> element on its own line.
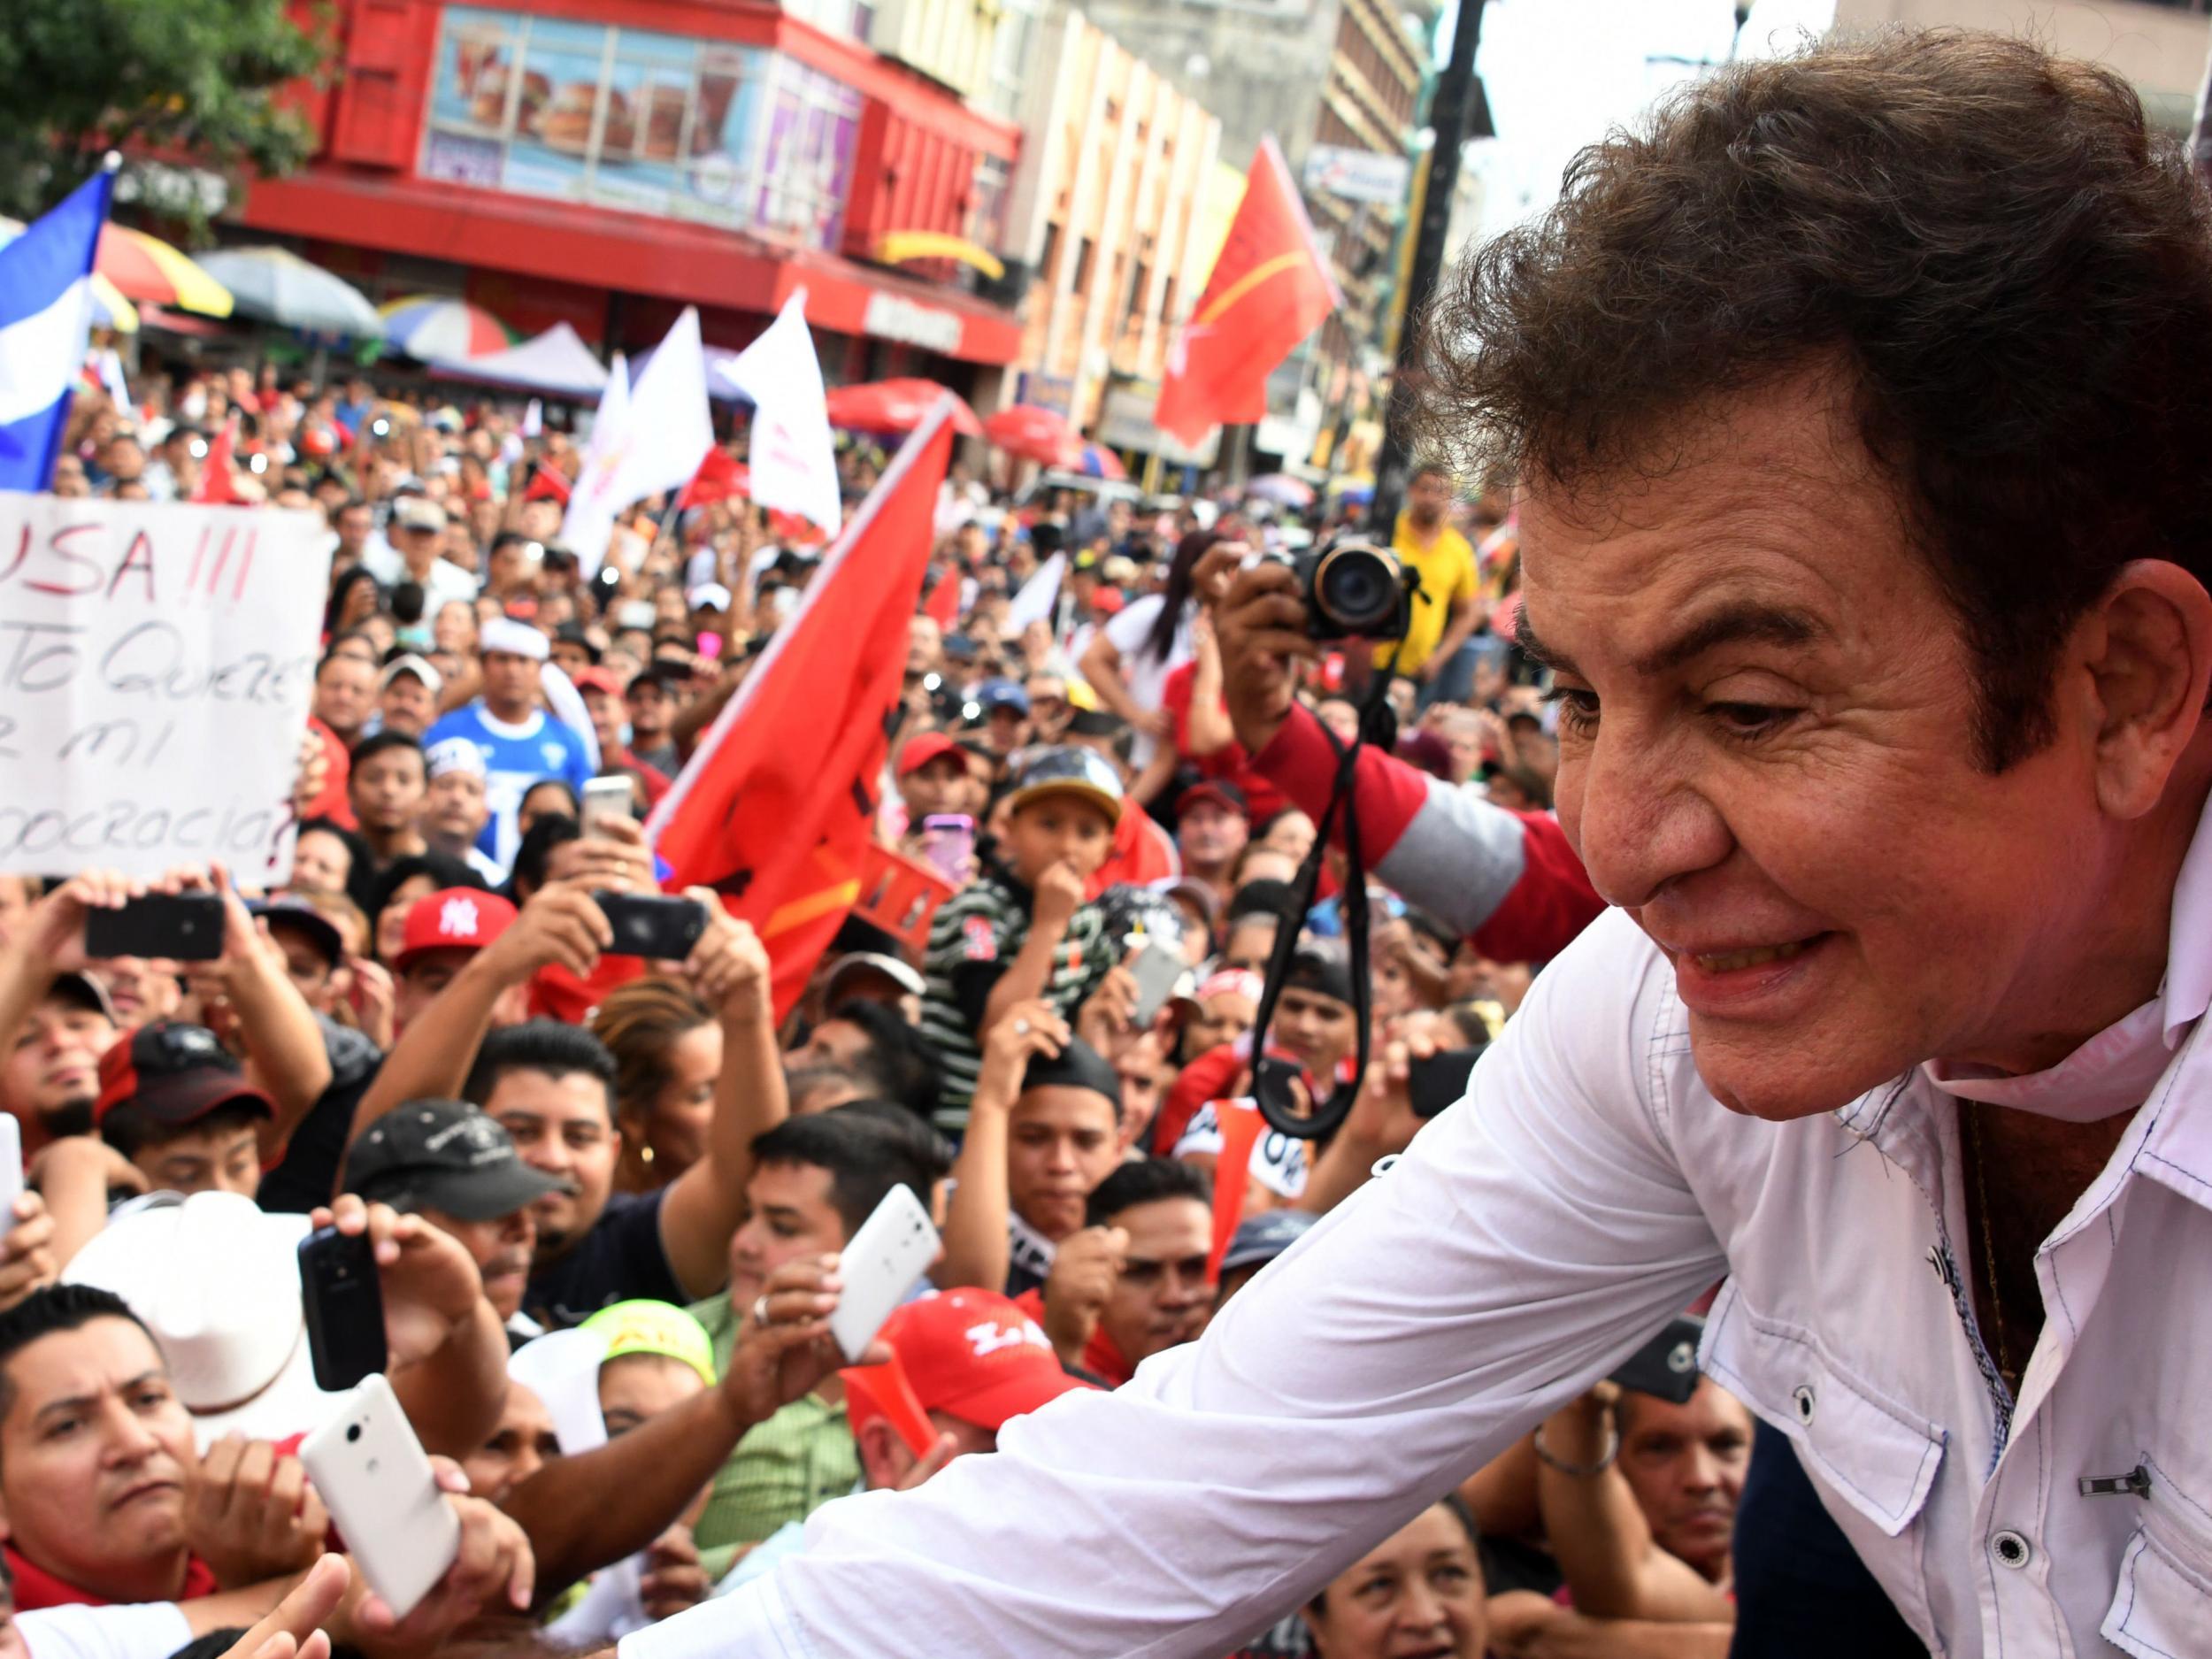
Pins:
<point x="1250" y="944"/>
<point x="304" y="965"/>
<point x="940" y="786"/>
<point x="1767" y="745"/>
<point x="501" y="1247"/>
<point x="354" y="525"/>
<point x="522" y="1444"/>
<point x="1210" y="835"/>
<point x="53" y="1073"/>
<point x="788" y="1217"/>
<point x="215" y="1160"/>
<point x="344" y="692"/>
<point x="1162" y="1296"/>
<point x="1057" y="829"/>
<point x="607" y="716"/>
<point x="322" y="862"/>
<point x="93" y="1450"/>
<point x="141" y="989"/>
<point x="1060" y="1144"/>
<point x="1686" y="1464"/>
<point x="1319" y="1030"/>
<point x="650" y="711"/>
<point x="418" y="545"/>
<point x="1140" y="1066"/>
<point x="1419" y="1591"/>
<point x="426" y="974"/>
<point x="455" y="807"/>
<point x="1222" y="1017"/>
<point x="387" y="790"/>
<point x="69" y="478"/>
<point x="15" y="904"/>
<point x="635" y="1388"/>
<point x="123" y="459"/>
<point x="511" y="681"/>
<point x="570" y="657"/>
<point x="925" y="643"/>
<point x="408" y="705"/>
<point x="1006" y="730"/>
<point x="1427" y="499"/>
<point x="561" y="1125"/>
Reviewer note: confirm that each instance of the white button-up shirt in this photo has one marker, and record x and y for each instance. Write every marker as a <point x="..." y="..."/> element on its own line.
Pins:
<point x="1587" y="1188"/>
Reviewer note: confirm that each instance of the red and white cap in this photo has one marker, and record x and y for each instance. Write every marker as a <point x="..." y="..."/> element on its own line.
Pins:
<point x="453" y="919"/>
<point x="974" y="1356"/>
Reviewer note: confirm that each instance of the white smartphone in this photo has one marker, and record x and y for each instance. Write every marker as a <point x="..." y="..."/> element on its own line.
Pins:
<point x="1157" y="971"/>
<point x="605" y="798"/>
<point x="11" y="1169"/>
<point x="883" y="1262"/>
<point x="373" y="1478"/>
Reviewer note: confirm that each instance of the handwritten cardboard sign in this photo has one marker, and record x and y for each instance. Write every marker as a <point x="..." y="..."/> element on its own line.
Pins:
<point x="156" y="666"/>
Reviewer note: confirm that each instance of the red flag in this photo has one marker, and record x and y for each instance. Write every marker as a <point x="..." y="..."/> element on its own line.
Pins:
<point x="776" y="807"/>
<point x="550" y="483"/>
<point x="943" y="606"/>
<point x="1270" y="289"/>
<point x="719" y="478"/>
<point x="216" y="487"/>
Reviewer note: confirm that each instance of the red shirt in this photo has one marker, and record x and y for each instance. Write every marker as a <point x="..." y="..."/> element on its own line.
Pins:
<point x="332" y="803"/>
<point x="35" y="1586"/>
<point x="1142" y="853"/>
<point x="1263" y="800"/>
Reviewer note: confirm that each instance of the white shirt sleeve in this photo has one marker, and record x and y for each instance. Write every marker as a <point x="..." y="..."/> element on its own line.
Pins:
<point x="1530" y="1239"/>
<point x="145" y="1630"/>
<point x="1129" y="627"/>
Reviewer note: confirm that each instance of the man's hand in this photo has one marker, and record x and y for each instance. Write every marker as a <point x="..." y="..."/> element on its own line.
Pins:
<point x="314" y="773"/>
<point x="1105" y="1019"/>
<point x="430" y="1284"/>
<point x="672" y="1579"/>
<point x="1262" y="629"/>
<point x="729" y="965"/>
<point x="561" y="924"/>
<point x="1382" y="1121"/>
<point x="375" y="1000"/>
<point x="248" y="949"/>
<point x="1025" y="1030"/>
<point x="27" y="1254"/>
<point x="251" y="1513"/>
<point x="1059" y="894"/>
<point x="52" y="939"/>
<point x="290" y="1630"/>
<point x="1518" y="1620"/>
<point x="493" y="1569"/>
<point x="784" y="1349"/>
<point x="1085" y="1270"/>
<point x="613" y="858"/>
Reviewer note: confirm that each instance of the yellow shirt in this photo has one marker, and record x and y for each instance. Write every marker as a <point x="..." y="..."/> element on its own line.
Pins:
<point x="1447" y="568"/>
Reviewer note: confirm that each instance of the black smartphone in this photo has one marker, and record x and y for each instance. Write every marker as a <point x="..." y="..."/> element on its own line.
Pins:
<point x="344" y="1305"/>
<point x="1667" y="1364"/>
<point x="652" y="925"/>
<point x="183" y="926"/>
<point x="1440" y="1080"/>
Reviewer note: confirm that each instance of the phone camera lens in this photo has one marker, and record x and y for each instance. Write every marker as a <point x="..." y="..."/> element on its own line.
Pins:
<point x="353" y="1432"/>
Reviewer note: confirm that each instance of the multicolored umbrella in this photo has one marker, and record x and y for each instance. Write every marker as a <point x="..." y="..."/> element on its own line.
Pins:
<point x="430" y="328"/>
<point x="896" y="406"/>
<point x="277" y="286"/>
<point x="1096" y="461"/>
<point x="110" y="309"/>
<point x="1282" y="489"/>
<point x="148" y="270"/>
<point x="1030" y="433"/>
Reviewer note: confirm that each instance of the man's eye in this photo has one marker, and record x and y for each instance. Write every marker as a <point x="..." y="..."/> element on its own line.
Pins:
<point x="1578" y="708"/>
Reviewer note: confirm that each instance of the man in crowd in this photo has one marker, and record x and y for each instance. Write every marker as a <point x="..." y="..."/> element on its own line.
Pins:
<point x="520" y="742"/>
<point x="408" y="700"/>
<point x="651" y="699"/>
<point x="1211" y="831"/>
<point x="385" y="789"/>
<point x="1135" y="1281"/>
<point x="415" y="534"/>
<point x="178" y="1108"/>
<point x="455" y="804"/>
<point x="345" y="694"/>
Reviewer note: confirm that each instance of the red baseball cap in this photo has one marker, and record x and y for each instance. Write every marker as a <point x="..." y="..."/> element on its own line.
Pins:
<point x="974" y="1356"/>
<point x="171" y="1074"/>
<point x="919" y="751"/>
<point x="597" y="679"/>
<point x="453" y="919"/>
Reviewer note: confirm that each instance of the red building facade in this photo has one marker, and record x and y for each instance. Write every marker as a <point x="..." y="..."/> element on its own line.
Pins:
<point x="607" y="162"/>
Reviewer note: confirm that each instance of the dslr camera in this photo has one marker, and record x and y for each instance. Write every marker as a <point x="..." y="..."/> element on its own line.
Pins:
<point x="1354" y="588"/>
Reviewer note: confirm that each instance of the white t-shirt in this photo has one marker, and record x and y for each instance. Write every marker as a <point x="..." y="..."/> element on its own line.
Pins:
<point x="1279" y="1162"/>
<point x="1145" y="675"/>
<point x="142" y="1629"/>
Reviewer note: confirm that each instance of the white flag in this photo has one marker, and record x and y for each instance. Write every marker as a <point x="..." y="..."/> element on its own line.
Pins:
<point x="534" y="418"/>
<point x="663" y="431"/>
<point x="792" y="458"/>
<point x="1036" y="601"/>
<point x="589" y="520"/>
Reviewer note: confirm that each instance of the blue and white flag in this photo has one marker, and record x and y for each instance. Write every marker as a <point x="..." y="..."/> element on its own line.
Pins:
<point x="45" y="310"/>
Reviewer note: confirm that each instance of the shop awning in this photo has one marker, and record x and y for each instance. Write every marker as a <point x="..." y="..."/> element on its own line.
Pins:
<point x="557" y="362"/>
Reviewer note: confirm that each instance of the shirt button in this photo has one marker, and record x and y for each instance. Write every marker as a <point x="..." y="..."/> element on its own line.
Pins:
<point x="1803" y="1396"/>
<point x="2011" y="1550"/>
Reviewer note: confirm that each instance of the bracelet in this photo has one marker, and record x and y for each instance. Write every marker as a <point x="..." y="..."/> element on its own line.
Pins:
<point x="1581" y="1471"/>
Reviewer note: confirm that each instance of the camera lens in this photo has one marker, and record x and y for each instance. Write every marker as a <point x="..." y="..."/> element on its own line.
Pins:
<point x="1356" y="589"/>
<point x="353" y="1432"/>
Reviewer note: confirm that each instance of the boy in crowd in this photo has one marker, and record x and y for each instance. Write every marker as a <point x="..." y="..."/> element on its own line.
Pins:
<point x="1134" y="1282"/>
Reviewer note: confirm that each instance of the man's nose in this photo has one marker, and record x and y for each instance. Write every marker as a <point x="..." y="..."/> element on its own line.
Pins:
<point x="1702" y="1471"/>
<point x="1632" y="808"/>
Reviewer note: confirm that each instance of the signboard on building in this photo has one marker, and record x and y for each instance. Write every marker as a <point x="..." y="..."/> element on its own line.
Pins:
<point x="1126" y="422"/>
<point x="632" y="119"/>
<point x="1054" y="392"/>
<point x="894" y="317"/>
<point x="1357" y="175"/>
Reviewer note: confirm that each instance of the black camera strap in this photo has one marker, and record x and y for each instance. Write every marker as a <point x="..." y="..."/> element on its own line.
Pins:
<point x="1273" y="1075"/>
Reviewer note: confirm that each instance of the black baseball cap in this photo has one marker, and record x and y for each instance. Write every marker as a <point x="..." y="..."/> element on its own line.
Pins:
<point x="1264" y="896"/>
<point x="171" y="1074"/>
<point x="85" y="992"/>
<point x="290" y="912"/>
<point x="1320" y="965"/>
<point x="572" y="634"/>
<point x="1079" y="1066"/>
<point x="442" y="1155"/>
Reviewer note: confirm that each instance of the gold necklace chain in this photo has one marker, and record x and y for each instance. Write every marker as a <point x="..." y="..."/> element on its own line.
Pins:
<point x="1971" y="1137"/>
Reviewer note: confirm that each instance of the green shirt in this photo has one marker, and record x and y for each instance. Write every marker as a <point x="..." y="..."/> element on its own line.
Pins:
<point x="782" y="1470"/>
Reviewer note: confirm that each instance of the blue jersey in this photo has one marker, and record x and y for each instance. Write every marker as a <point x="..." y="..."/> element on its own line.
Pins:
<point x="515" y="757"/>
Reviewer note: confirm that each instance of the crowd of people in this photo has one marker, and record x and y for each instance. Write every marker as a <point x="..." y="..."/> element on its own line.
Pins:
<point x="607" y="1197"/>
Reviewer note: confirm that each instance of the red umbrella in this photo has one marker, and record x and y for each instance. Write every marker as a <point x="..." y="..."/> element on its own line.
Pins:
<point x="1030" y="433"/>
<point x="896" y="406"/>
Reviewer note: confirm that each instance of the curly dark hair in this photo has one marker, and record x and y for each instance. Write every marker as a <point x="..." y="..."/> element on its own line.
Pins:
<point x="2013" y="271"/>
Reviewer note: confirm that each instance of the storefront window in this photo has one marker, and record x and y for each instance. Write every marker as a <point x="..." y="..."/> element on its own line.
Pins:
<point x="631" y="119"/>
<point x="987" y="202"/>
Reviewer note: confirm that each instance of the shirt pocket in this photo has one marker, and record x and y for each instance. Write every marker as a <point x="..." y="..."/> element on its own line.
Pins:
<point x="1864" y="1449"/>
<point x="2158" y="1607"/>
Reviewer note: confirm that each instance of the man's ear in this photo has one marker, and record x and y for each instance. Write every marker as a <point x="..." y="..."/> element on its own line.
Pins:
<point x="884" y="1459"/>
<point x="2145" y="659"/>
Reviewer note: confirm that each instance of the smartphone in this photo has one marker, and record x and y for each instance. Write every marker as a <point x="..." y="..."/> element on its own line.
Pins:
<point x="11" y="1169"/>
<point x="1157" y="972"/>
<point x="371" y="1473"/>
<point x="651" y="926"/>
<point x="343" y="1301"/>
<point x="883" y="1262"/>
<point x="1667" y="1364"/>
<point x="948" y="842"/>
<point x="605" y="798"/>
<point x="1440" y="1080"/>
<point x="183" y="926"/>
